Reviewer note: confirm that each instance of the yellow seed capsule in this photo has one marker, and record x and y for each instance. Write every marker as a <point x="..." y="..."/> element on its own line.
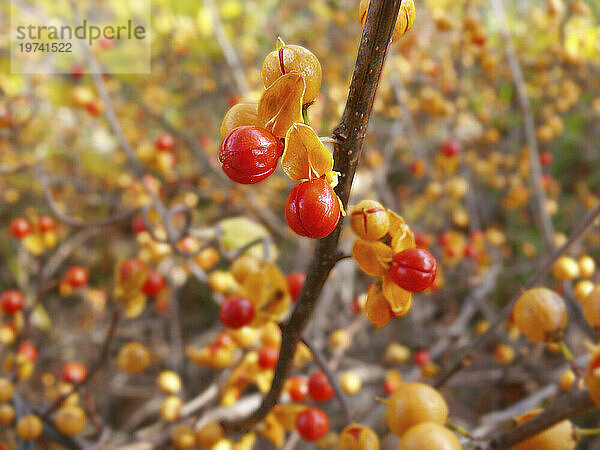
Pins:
<point x="6" y="390"/>
<point x="239" y="115"/>
<point x="358" y="437"/>
<point x="413" y="403"/>
<point x="582" y="289"/>
<point x="133" y="358"/>
<point x="70" y="420"/>
<point x="170" y="409"/>
<point x="429" y="435"/>
<point x="504" y="354"/>
<point x="565" y="269"/>
<point x="369" y="220"/>
<point x="540" y="314"/>
<point x="587" y="266"/>
<point x="557" y="437"/>
<point x="350" y="382"/>
<point x="566" y="380"/>
<point x="183" y="437"/>
<point x="7" y="414"/>
<point x="293" y="58"/>
<point x="406" y="17"/>
<point x="340" y="339"/>
<point x="29" y="427"/>
<point x="209" y="435"/>
<point x="396" y="353"/>
<point x="169" y="382"/>
<point x="481" y="326"/>
<point x="591" y="308"/>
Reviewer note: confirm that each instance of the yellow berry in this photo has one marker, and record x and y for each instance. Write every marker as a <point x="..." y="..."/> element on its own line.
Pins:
<point x="557" y="437"/>
<point x="430" y="436"/>
<point x="350" y="382"/>
<point x="414" y="403"/>
<point x="396" y="353"/>
<point x="504" y="354"/>
<point x="6" y="390"/>
<point x="70" y="420"/>
<point x="7" y="414"/>
<point x="591" y="307"/>
<point x="565" y="269"/>
<point x="183" y="437"/>
<point x="133" y="358"/>
<point x="29" y="427"/>
<point x="170" y="409"/>
<point x="209" y="435"/>
<point x="587" y="266"/>
<point x="169" y="382"/>
<point x="540" y="314"/>
<point x="340" y="339"/>
<point x="406" y="17"/>
<point x="582" y="289"/>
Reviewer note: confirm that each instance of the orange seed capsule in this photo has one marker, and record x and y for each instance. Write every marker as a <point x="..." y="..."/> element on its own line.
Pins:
<point x="369" y="220"/>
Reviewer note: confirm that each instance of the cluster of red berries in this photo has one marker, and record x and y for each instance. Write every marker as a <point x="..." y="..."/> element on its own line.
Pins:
<point x="254" y="137"/>
<point x="20" y="227"/>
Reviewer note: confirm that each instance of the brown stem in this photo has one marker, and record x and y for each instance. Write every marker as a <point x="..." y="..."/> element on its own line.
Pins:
<point x="350" y="133"/>
<point x="469" y="352"/>
<point x="569" y="405"/>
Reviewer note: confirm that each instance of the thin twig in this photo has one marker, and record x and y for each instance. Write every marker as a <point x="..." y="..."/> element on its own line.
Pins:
<point x="110" y="334"/>
<point x="469" y="352"/>
<point x="339" y="393"/>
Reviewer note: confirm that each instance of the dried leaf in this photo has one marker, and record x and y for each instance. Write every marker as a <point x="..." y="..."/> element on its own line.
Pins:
<point x="281" y="104"/>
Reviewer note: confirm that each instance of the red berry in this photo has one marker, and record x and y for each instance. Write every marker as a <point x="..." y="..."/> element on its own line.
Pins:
<point x="421" y="357"/>
<point x="312" y="209"/>
<point x="319" y="388"/>
<point x="546" y="159"/>
<point x="249" y="154"/>
<point x="73" y="372"/>
<point x="236" y="312"/>
<point x="12" y="301"/>
<point x="131" y="267"/>
<point x="295" y="281"/>
<point x="444" y="239"/>
<point x="451" y="147"/>
<point x="77" y="70"/>
<point x="471" y="251"/>
<point x="267" y="357"/>
<point x="77" y="276"/>
<point x="298" y="388"/>
<point x="45" y="223"/>
<point x="413" y="269"/>
<point x="138" y="225"/>
<point x="28" y="350"/>
<point x="155" y="282"/>
<point x="20" y="228"/>
<point x="312" y="424"/>
<point x="165" y="142"/>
